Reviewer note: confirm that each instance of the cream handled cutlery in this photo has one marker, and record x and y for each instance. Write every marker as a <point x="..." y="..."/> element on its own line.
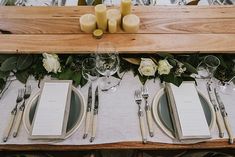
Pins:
<point x="19" y="114"/>
<point x="217" y="111"/>
<point x="138" y="100"/>
<point x="13" y="114"/>
<point x="225" y="116"/>
<point x="148" y="110"/>
<point x="95" y="115"/>
<point x="88" y="112"/>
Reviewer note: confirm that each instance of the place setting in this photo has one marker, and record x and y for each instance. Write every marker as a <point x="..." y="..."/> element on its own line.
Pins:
<point x="187" y="114"/>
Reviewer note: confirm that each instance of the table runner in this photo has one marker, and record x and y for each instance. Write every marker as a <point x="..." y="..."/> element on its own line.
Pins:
<point x="118" y="120"/>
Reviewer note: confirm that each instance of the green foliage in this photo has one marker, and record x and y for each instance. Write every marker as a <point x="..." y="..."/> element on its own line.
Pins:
<point x="171" y="78"/>
<point x="9" y="64"/>
<point x="190" y="68"/>
<point x="24" y="62"/>
<point x="22" y="76"/>
<point x="226" y="70"/>
<point x="22" y="66"/>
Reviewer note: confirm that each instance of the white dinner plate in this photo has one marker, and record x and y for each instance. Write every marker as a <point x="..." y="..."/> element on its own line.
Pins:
<point x="162" y="115"/>
<point x="76" y="112"/>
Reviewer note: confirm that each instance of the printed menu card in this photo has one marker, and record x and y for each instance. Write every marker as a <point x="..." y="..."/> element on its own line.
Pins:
<point x="51" y="115"/>
<point x="188" y="115"/>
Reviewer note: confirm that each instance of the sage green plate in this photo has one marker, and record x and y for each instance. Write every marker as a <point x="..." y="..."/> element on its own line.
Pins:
<point x="162" y="116"/>
<point x="76" y="112"/>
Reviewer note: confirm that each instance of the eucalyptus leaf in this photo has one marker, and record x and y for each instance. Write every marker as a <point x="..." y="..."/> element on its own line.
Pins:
<point x="4" y="57"/>
<point x="2" y="84"/>
<point x="190" y="68"/>
<point x="69" y="60"/>
<point x="165" y="55"/>
<point x="4" y="74"/>
<point x="172" y="62"/>
<point x="143" y="79"/>
<point x="194" y="59"/>
<point x="171" y="78"/>
<point x="24" y="62"/>
<point x="9" y="64"/>
<point x="66" y="74"/>
<point x="83" y="82"/>
<point x="154" y="60"/>
<point x="135" y="61"/>
<point x="22" y="76"/>
<point x="77" y="77"/>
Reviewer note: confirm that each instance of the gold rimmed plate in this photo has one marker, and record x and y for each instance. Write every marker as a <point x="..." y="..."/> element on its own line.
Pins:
<point x="76" y="112"/>
<point x="162" y="116"/>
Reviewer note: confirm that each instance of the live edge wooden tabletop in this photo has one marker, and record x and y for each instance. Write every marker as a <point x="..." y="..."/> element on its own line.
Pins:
<point x="215" y="144"/>
<point x="163" y="28"/>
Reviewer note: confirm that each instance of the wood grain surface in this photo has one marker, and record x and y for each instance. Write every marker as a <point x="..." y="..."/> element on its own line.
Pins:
<point x="129" y="43"/>
<point x="215" y="144"/>
<point x="175" y="29"/>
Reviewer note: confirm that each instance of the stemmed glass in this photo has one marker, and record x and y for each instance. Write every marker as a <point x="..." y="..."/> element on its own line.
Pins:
<point x="211" y="62"/>
<point x="107" y="64"/>
<point x="89" y="71"/>
<point x="207" y="67"/>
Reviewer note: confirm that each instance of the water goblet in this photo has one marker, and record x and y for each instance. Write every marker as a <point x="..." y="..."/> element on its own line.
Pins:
<point x="107" y="64"/>
<point x="89" y="71"/>
<point x="211" y="62"/>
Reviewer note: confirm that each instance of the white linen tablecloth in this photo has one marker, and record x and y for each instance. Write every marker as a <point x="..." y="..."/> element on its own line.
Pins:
<point x="117" y="120"/>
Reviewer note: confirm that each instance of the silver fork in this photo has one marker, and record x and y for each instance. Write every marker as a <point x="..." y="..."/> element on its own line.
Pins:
<point x="27" y="94"/>
<point x="13" y="114"/>
<point x="148" y="110"/>
<point x="138" y="100"/>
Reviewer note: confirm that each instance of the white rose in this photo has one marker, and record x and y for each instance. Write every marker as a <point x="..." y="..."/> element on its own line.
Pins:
<point x="164" y="67"/>
<point x="147" y="67"/>
<point x="51" y="62"/>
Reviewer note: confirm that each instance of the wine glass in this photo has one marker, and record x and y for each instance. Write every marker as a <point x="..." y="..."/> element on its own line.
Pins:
<point x="89" y="71"/>
<point x="211" y="62"/>
<point x="107" y="64"/>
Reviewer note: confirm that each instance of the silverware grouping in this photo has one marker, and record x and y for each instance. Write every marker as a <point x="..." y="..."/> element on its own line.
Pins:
<point x="221" y="114"/>
<point x="27" y="94"/>
<point x="13" y="114"/>
<point x="217" y="111"/>
<point x="225" y="116"/>
<point x="139" y="95"/>
<point x="17" y="113"/>
<point x="89" y="115"/>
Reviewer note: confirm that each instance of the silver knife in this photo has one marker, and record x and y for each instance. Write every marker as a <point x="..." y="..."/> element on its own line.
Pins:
<point x="95" y="115"/>
<point x="225" y="116"/>
<point x="217" y="112"/>
<point x="88" y="111"/>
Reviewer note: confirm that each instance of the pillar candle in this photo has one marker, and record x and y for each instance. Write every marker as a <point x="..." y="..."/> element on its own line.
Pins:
<point x="114" y="14"/>
<point x="130" y="23"/>
<point x="112" y="25"/>
<point x="87" y="23"/>
<point x="125" y="7"/>
<point x="101" y="17"/>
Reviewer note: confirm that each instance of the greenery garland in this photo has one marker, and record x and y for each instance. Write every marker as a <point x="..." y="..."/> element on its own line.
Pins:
<point x="181" y="67"/>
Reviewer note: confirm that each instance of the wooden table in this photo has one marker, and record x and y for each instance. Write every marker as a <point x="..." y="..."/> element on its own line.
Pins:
<point x="174" y="29"/>
<point x="184" y="29"/>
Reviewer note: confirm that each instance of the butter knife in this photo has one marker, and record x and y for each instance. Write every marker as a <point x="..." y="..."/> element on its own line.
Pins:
<point x="95" y="115"/>
<point x="217" y="111"/>
<point x="88" y="111"/>
<point x="225" y="116"/>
